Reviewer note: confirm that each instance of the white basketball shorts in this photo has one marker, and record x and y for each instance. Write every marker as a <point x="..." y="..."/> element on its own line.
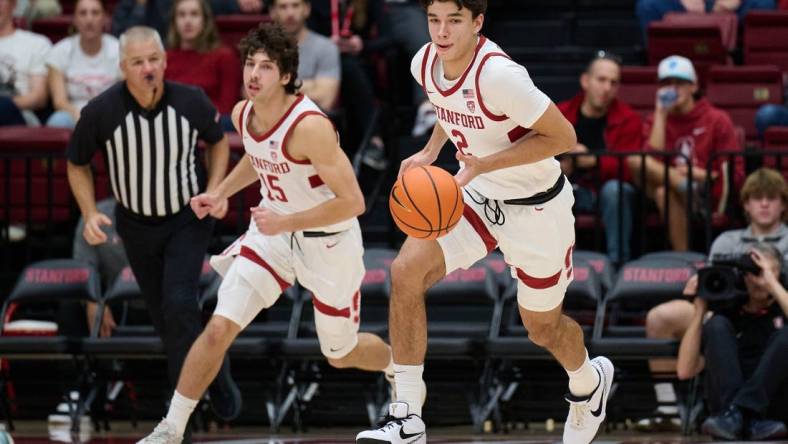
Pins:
<point x="536" y="241"/>
<point x="257" y="268"/>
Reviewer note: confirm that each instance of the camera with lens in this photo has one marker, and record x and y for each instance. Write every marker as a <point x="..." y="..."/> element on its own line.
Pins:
<point x="721" y="284"/>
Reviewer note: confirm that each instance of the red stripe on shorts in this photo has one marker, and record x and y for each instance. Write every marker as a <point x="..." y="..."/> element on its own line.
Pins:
<point x="252" y="256"/>
<point x="329" y="310"/>
<point x="538" y="283"/>
<point x="480" y="228"/>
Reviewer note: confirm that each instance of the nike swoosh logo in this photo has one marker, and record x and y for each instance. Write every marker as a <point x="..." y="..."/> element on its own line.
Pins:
<point x="538" y="209"/>
<point x="335" y="349"/>
<point x="332" y="245"/>
<point x="404" y="435"/>
<point x="603" y="383"/>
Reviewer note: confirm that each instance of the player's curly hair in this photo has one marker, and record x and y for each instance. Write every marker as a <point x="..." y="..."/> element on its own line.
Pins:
<point x="475" y="6"/>
<point x="270" y="38"/>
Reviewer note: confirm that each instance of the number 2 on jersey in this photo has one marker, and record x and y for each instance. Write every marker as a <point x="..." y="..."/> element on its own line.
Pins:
<point x="461" y="143"/>
<point x="269" y="181"/>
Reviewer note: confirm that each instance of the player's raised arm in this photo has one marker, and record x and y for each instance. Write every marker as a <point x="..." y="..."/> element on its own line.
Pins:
<point x="314" y="138"/>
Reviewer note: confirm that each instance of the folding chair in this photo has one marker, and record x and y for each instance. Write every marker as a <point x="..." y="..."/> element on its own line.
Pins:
<point x="41" y="283"/>
<point x="619" y="331"/>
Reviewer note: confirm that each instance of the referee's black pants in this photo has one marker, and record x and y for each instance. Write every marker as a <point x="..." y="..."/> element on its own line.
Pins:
<point x="166" y="256"/>
<point x="749" y="379"/>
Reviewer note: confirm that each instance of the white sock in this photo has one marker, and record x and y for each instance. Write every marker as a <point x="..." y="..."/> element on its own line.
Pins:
<point x="408" y="380"/>
<point x="583" y="380"/>
<point x="181" y="409"/>
<point x="666" y="395"/>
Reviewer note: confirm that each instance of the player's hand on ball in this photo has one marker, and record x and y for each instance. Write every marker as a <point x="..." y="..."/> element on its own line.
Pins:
<point x="205" y="204"/>
<point x="268" y="221"/>
<point x="92" y="232"/>
<point x="473" y="167"/>
<point x="419" y="159"/>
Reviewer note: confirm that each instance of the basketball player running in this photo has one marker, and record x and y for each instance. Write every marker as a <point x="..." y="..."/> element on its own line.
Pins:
<point x="506" y="132"/>
<point x="305" y="227"/>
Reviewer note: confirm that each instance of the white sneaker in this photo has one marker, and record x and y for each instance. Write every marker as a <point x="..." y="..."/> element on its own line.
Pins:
<point x="393" y="388"/>
<point x="587" y="413"/>
<point x="401" y="428"/>
<point x="164" y="433"/>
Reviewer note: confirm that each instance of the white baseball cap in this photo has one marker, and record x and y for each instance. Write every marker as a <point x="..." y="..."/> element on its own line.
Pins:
<point x="677" y="67"/>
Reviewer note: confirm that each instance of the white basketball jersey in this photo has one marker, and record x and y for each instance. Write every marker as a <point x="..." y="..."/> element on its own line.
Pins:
<point x="475" y="129"/>
<point x="287" y="185"/>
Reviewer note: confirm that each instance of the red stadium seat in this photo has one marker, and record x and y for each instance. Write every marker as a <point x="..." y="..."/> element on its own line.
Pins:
<point x="53" y="27"/>
<point x="727" y="22"/>
<point x="232" y="28"/>
<point x="766" y="38"/>
<point x="776" y="139"/>
<point x="741" y="90"/>
<point x="639" y="88"/>
<point x="42" y="186"/>
<point x="701" y="43"/>
<point x="783" y="5"/>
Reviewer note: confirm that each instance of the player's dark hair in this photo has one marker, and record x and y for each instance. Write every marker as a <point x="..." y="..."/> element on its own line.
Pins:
<point x="475" y="6"/>
<point x="281" y="49"/>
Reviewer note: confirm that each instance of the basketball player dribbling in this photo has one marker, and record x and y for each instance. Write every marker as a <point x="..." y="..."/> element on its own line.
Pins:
<point x="305" y="228"/>
<point x="506" y="132"/>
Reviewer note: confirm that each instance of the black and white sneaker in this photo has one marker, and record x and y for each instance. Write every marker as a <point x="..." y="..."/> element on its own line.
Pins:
<point x="400" y="428"/>
<point x="586" y="414"/>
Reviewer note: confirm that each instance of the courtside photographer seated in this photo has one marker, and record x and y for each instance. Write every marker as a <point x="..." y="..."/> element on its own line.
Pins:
<point x="737" y="335"/>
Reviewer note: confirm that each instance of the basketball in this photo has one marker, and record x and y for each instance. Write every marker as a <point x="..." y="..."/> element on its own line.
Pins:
<point x="426" y="202"/>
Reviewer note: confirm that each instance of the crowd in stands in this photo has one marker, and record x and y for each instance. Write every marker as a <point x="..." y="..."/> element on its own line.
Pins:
<point x="341" y="47"/>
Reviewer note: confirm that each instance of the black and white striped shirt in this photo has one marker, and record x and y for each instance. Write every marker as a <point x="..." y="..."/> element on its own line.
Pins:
<point x="151" y="155"/>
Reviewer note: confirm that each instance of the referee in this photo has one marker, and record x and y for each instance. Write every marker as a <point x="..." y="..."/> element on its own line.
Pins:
<point x="147" y="130"/>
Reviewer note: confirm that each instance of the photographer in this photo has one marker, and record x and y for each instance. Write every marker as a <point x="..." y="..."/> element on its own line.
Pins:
<point x="764" y="198"/>
<point x="742" y="345"/>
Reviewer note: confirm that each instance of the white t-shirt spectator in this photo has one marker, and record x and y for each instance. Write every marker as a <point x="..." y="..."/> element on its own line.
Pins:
<point x="86" y="76"/>
<point x="22" y="55"/>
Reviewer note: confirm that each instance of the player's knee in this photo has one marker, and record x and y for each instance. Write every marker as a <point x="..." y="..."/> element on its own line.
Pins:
<point x="403" y="270"/>
<point x="219" y="332"/>
<point x="339" y="363"/>
<point x="545" y="335"/>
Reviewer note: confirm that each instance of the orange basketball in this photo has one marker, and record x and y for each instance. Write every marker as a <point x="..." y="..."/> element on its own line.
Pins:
<point x="426" y="202"/>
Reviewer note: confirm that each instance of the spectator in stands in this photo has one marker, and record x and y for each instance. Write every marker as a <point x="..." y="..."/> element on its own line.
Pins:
<point x="22" y="70"/>
<point x="770" y="115"/>
<point x="81" y="66"/>
<point x="406" y="23"/>
<point x="354" y="26"/>
<point x="109" y="259"/>
<point x="318" y="57"/>
<point x="649" y="11"/>
<point x="221" y="7"/>
<point x="764" y="198"/>
<point x="603" y="123"/>
<point x="36" y="9"/>
<point x="694" y="129"/>
<point x="152" y="13"/>
<point x="156" y="13"/>
<point x="196" y="56"/>
<point x="743" y="349"/>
